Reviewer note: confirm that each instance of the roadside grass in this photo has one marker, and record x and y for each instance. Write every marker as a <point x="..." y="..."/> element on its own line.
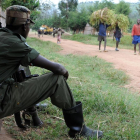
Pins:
<point x="107" y="105"/>
<point x="125" y="43"/>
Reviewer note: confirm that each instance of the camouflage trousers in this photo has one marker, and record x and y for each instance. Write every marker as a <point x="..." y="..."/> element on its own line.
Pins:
<point x="23" y="95"/>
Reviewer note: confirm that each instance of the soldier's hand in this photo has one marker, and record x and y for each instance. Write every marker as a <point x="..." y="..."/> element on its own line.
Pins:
<point x="66" y="75"/>
<point x="56" y="68"/>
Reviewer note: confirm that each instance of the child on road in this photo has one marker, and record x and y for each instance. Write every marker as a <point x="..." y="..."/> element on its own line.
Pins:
<point x="117" y="35"/>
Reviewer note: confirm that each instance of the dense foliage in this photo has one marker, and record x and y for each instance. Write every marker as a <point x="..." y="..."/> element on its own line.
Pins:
<point x="65" y="6"/>
<point x="73" y="15"/>
<point x="78" y="20"/>
<point x="31" y="4"/>
<point x="122" y="8"/>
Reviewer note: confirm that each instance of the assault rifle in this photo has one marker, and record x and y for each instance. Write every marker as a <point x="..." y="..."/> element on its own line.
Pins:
<point x="22" y="74"/>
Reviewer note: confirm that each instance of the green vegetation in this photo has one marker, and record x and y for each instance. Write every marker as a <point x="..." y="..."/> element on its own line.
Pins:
<point x="31" y="4"/>
<point x="125" y="43"/>
<point x="65" y="7"/>
<point x="107" y="105"/>
<point x="47" y="13"/>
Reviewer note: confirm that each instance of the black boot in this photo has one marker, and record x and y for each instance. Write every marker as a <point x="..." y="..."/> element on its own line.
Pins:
<point x="36" y="120"/>
<point x="75" y="121"/>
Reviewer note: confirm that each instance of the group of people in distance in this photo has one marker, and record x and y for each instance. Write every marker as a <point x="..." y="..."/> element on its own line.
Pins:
<point x="117" y="34"/>
<point x="55" y="31"/>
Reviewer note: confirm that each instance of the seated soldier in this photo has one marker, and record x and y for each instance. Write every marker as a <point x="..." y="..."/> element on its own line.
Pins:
<point x="14" y="96"/>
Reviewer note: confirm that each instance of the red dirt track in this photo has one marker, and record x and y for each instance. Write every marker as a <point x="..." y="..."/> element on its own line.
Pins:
<point x="124" y="59"/>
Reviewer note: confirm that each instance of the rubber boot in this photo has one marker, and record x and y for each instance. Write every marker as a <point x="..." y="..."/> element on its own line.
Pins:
<point x="36" y="120"/>
<point x="75" y="121"/>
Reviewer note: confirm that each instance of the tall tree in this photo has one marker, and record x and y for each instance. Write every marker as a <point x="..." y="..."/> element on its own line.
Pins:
<point x="78" y="20"/>
<point x="73" y="21"/>
<point x="4" y="3"/>
<point x="31" y="4"/>
<point x="138" y="8"/>
<point x="47" y="9"/>
<point x="123" y="8"/>
<point x="96" y="5"/>
<point x="66" y="6"/>
<point x="106" y="3"/>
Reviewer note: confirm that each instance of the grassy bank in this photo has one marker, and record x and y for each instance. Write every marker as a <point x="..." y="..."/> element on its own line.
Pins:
<point x="107" y="105"/>
<point x="125" y="43"/>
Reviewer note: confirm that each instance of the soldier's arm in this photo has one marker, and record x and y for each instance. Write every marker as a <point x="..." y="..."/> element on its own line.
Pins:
<point x="56" y="68"/>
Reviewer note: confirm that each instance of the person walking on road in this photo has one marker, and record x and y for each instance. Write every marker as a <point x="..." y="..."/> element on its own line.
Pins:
<point x="117" y="35"/>
<point x="136" y="35"/>
<point x="59" y="36"/>
<point x="102" y="35"/>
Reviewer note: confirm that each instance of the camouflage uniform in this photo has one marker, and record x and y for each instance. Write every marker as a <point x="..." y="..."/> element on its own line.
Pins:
<point x="14" y="51"/>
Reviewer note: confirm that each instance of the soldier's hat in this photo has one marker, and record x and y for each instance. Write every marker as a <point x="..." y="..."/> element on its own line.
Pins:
<point x="18" y="15"/>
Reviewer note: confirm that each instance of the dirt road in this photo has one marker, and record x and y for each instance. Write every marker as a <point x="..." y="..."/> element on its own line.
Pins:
<point x="124" y="59"/>
<point x="4" y="135"/>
